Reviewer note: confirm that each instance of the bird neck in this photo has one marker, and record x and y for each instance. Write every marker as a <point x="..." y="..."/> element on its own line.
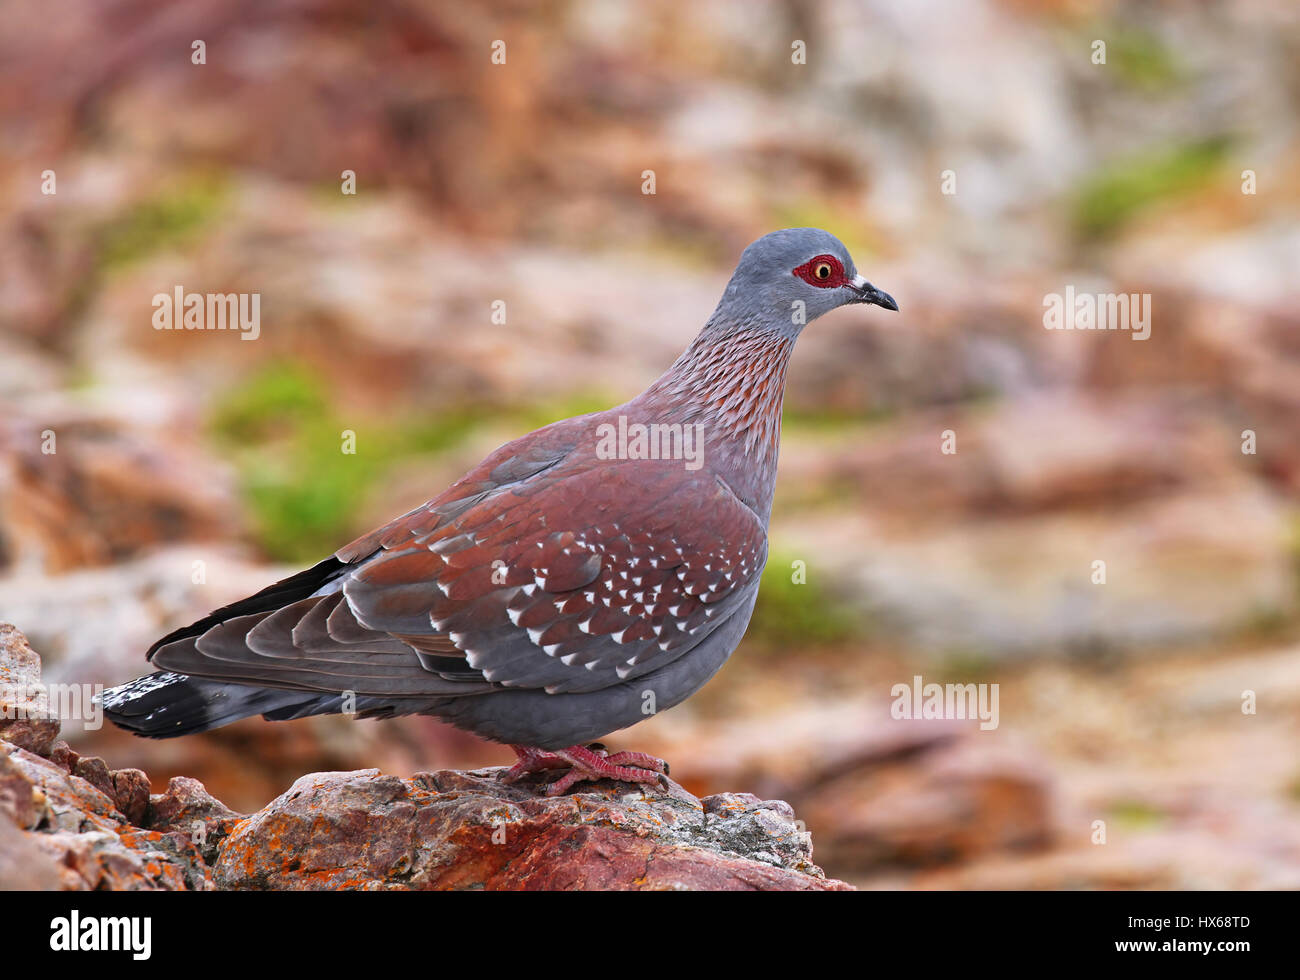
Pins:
<point x="733" y="382"/>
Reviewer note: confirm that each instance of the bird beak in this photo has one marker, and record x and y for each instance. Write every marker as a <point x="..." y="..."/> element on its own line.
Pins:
<point x="868" y="293"/>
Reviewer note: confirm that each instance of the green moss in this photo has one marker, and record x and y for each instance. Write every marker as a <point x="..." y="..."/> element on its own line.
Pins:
<point x="1114" y="194"/>
<point x="1136" y="815"/>
<point x="965" y="666"/>
<point x="1142" y="60"/>
<point x="834" y="421"/>
<point x="1293" y="789"/>
<point x="168" y="219"/>
<point x="329" y="193"/>
<point x="282" y="432"/>
<point x="1264" y="622"/>
<point x="1292" y="536"/>
<point x="794" y="616"/>
<point x="279" y="395"/>
<point x="302" y="503"/>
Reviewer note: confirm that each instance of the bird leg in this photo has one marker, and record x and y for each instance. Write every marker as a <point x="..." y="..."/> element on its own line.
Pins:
<point x="533" y="760"/>
<point x="584" y="763"/>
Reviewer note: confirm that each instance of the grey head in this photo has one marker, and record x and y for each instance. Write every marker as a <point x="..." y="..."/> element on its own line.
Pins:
<point x="788" y="278"/>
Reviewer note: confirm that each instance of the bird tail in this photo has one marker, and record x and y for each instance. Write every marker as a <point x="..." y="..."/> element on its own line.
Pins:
<point x="166" y="704"/>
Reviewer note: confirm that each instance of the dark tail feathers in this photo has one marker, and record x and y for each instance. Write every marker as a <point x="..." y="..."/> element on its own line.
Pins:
<point x="165" y="705"/>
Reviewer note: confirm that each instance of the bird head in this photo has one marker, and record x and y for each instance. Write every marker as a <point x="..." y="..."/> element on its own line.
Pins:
<point x="790" y="277"/>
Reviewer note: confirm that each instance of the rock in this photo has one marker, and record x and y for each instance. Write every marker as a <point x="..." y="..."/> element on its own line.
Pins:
<point x="185" y="801"/>
<point x="95" y="771"/>
<point x="18" y="798"/>
<point x="991" y="551"/>
<point x="364" y="830"/>
<point x="131" y="793"/>
<point x="187" y="807"/>
<point x="127" y="788"/>
<point x="24" y="864"/>
<point x="82" y="488"/>
<point x="68" y="821"/>
<point x="951" y="805"/>
<point x="63" y="756"/>
<point x="105" y="495"/>
<point x="468" y="830"/>
<point x="99" y="860"/>
<point x="24" y="711"/>
<point x="65" y="801"/>
<point x="63" y="821"/>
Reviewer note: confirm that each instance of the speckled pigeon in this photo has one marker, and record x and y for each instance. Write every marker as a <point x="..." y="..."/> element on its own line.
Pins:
<point x="570" y="580"/>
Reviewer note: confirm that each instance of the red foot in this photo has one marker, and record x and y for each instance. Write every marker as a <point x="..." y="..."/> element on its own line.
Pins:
<point x="585" y="763"/>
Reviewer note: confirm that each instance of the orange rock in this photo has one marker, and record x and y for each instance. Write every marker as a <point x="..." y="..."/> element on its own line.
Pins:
<point x="469" y="830"/>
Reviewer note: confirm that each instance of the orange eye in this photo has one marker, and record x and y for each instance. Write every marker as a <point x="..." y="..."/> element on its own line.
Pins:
<point x="822" y="271"/>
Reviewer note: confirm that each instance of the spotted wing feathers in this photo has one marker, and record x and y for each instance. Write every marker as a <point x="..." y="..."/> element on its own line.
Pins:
<point x="539" y="570"/>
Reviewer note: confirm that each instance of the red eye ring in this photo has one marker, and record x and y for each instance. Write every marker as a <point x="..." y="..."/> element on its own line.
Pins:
<point x="822" y="271"/>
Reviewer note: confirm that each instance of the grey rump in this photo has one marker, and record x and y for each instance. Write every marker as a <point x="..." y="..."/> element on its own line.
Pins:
<point x="554" y="594"/>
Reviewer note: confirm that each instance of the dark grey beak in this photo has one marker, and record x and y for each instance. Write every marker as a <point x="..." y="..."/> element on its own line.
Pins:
<point x="868" y="293"/>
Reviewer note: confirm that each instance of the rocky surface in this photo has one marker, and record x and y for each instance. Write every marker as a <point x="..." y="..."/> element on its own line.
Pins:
<point x="71" y="822"/>
<point x="468" y="830"/>
<point x="79" y="488"/>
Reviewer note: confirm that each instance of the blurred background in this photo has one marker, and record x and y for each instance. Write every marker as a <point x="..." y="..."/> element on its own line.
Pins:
<point x="195" y="467"/>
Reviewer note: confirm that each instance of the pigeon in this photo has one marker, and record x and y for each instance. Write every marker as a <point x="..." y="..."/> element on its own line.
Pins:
<point x="580" y="578"/>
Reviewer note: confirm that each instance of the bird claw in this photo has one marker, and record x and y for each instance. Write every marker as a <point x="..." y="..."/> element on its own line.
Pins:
<point x="530" y="761"/>
<point x="588" y="763"/>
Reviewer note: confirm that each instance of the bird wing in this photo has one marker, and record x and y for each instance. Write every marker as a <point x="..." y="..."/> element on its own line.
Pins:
<point x="540" y="569"/>
<point x="597" y="574"/>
